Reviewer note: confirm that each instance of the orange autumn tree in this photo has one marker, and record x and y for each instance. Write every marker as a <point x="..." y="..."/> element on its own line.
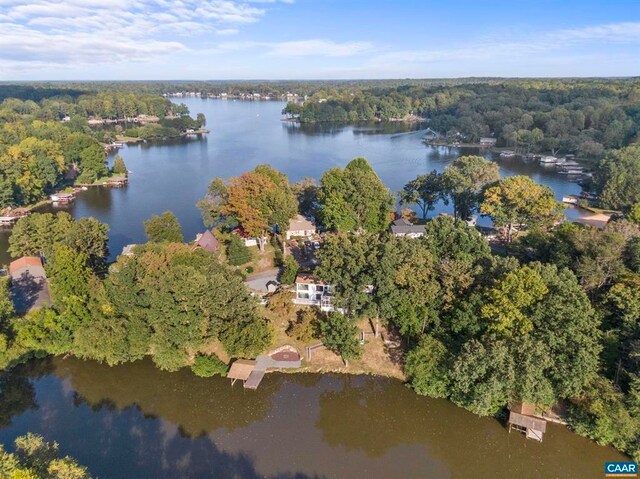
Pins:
<point x="256" y="200"/>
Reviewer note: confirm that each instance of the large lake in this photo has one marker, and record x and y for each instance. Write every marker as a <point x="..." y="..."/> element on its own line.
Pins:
<point x="174" y="175"/>
<point x="134" y="421"/>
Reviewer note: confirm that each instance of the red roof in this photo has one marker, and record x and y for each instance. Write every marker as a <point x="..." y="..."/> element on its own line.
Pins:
<point x="208" y="242"/>
<point x="24" y="261"/>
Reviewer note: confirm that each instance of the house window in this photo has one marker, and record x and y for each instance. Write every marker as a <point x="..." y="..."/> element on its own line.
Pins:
<point x="319" y="287"/>
<point x="303" y="295"/>
<point x="303" y="287"/>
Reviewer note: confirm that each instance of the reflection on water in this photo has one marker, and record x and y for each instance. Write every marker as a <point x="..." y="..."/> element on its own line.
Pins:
<point x="135" y="421"/>
<point x="174" y="174"/>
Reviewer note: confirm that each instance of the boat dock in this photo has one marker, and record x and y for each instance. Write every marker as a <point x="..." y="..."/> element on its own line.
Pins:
<point x="251" y="372"/>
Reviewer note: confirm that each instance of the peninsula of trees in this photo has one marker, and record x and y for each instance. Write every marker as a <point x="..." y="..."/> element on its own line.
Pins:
<point x="47" y="145"/>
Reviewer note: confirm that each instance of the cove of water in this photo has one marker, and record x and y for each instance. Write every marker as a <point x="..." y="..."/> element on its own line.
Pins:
<point x="134" y="421"/>
<point x="174" y="175"/>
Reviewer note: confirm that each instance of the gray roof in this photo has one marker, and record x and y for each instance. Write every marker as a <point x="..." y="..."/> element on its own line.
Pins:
<point x="527" y="421"/>
<point x="208" y="242"/>
<point x="407" y="229"/>
<point x="29" y="288"/>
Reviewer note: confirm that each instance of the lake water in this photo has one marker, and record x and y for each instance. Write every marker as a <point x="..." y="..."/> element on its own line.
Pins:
<point x="174" y="175"/>
<point x="134" y="421"/>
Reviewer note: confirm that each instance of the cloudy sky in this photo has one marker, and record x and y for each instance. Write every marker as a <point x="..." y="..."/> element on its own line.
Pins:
<point x="306" y="39"/>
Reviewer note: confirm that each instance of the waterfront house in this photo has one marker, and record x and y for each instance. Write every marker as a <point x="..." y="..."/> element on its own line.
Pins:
<point x="402" y="227"/>
<point x="301" y="227"/>
<point x="207" y="241"/>
<point x="487" y="142"/>
<point x="313" y="292"/>
<point x="29" y="284"/>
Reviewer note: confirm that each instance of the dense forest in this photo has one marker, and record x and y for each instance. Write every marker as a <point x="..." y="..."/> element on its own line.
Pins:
<point x="48" y="143"/>
<point x="579" y="117"/>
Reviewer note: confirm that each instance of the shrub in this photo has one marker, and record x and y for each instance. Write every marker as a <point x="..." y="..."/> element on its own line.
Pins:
<point x="305" y="327"/>
<point x="207" y="366"/>
<point x="290" y="270"/>
<point x="237" y="252"/>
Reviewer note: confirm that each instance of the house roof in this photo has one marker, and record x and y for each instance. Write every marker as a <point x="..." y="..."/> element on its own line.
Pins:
<point x="527" y="421"/>
<point x="25" y="261"/>
<point x="207" y="242"/>
<point x="241" y="369"/>
<point x="308" y="279"/>
<point x="402" y="222"/>
<point x="300" y="223"/>
<point x="238" y="230"/>
<point x="29" y="286"/>
<point x="407" y="229"/>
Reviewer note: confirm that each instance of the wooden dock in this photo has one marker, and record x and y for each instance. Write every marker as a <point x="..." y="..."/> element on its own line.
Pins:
<point x="251" y="372"/>
<point x="254" y="379"/>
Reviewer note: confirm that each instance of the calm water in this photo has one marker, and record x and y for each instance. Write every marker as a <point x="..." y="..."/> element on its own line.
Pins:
<point x="174" y="175"/>
<point x="134" y="421"/>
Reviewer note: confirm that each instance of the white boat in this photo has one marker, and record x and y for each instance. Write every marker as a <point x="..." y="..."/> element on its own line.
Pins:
<point x="549" y="160"/>
<point x="570" y="199"/>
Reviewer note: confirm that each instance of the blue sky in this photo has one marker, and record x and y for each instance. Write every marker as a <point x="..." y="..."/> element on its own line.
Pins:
<point x="309" y="39"/>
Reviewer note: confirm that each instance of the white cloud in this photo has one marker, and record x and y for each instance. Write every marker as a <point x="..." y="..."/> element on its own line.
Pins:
<point x="100" y="31"/>
<point x="324" y="48"/>
<point x="508" y="50"/>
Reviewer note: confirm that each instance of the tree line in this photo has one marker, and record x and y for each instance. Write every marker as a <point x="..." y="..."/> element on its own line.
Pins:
<point x="586" y="117"/>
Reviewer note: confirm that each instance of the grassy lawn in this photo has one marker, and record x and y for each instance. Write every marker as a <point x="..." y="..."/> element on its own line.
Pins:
<point x="378" y="358"/>
<point x="104" y="179"/>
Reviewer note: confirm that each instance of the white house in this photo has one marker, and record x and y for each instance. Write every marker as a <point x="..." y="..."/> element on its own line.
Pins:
<point x="402" y="227"/>
<point x="313" y="292"/>
<point x="301" y="226"/>
<point x="246" y="238"/>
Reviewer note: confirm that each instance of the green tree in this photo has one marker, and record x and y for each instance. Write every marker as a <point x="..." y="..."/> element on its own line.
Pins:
<point x="340" y="335"/>
<point x="634" y="214"/>
<point x="354" y="198"/>
<point x="616" y="178"/>
<point x="34" y="458"/>
<point x="290" y="270"/>
<point x="163" y="228"/>
<point x="119" y="168"/>
<point x="464" y="179"/>
<point x="237" y="253"/>
<point x="518" y="202"/>
<point x="425" y="191"/>
<point x="426" y="368"/>
<point x="208" y="366"/>
<point x="508" y="299"/>
<point x="349" y="262"/>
